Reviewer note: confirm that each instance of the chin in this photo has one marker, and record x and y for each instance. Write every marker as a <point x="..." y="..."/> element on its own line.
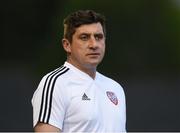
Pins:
<point x="94" y="63"/>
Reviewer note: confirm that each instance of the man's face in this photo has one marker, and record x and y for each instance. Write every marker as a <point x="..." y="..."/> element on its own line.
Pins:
<point x="88" y="46"/>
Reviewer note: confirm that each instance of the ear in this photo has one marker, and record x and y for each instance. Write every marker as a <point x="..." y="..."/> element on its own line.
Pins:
<point x="66" y="45"/>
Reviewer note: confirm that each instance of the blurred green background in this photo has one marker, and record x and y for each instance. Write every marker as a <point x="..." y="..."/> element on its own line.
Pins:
<point x="142" y="54"/>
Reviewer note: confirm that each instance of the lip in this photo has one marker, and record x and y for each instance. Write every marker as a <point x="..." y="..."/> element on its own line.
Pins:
<point x="95" y="54"/>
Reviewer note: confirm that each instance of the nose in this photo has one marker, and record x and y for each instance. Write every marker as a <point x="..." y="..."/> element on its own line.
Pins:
<point x="93" y="43"/>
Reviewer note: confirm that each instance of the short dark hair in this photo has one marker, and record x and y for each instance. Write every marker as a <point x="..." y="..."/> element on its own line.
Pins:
<point x="80" y="17"/>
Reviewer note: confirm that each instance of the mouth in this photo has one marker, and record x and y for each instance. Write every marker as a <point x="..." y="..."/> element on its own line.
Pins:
<point x="93" y="54"/>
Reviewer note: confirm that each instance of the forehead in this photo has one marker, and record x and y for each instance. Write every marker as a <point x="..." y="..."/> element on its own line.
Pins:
<point x="89" y="28"/>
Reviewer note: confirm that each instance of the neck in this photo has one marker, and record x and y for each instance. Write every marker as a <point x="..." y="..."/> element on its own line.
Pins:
<point x="88" y="69"/>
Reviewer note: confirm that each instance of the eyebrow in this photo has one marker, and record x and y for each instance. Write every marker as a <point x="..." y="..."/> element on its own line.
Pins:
<point x="98" y="34"/>
<point x="84" y="33"/>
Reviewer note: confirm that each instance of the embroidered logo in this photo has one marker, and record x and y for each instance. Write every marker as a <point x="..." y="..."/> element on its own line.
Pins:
<point x="112" y="97"/>
<point x="85" y="97"/>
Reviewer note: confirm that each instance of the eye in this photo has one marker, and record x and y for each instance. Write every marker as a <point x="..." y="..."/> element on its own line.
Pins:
<point x="84" y="37"/>
<point x="99" y="37"/>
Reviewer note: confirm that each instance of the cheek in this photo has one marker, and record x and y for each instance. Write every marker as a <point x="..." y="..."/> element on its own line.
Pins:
<point x="80" y="51"/>
<point x="103" y="50"/>
<point x="103" y="47"/>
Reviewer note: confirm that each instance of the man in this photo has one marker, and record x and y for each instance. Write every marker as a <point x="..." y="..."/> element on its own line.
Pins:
<point x="75" y="97"/>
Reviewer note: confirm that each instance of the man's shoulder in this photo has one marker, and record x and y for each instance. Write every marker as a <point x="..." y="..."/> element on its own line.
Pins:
<point x="108" y="82"/>
<point x="106" y="79"/>
<point x="58" y="73"/>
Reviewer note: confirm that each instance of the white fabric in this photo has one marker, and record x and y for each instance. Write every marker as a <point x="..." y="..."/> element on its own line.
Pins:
<point x="73" y="112"/>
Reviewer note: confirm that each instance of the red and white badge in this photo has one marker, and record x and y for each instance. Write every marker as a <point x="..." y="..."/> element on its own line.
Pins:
<point x="112" y="97"/>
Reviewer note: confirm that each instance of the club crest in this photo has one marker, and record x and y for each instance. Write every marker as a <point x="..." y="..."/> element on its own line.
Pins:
<point x="112" y="97"/>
